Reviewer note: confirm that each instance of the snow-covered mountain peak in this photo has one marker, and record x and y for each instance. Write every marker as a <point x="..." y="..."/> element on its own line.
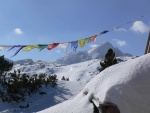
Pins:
<point x="105" y="45"/>
<point x="94" y="53"/>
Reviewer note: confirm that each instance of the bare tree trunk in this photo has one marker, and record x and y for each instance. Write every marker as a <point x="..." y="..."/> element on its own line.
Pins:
<point x="147" y="49"/>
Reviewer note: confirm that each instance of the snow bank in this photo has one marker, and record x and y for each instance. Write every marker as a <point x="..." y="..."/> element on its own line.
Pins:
<point x="126" y="84"/>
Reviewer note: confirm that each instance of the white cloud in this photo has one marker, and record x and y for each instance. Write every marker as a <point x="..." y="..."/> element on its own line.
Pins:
<point x="93" y="45"/>
<point x="140" y="27"/>
<point x="18" y="31"/>
<point x="120" y="42"/>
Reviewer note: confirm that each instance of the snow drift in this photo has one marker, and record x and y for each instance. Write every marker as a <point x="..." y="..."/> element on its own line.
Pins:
<point x="126" y="84"/>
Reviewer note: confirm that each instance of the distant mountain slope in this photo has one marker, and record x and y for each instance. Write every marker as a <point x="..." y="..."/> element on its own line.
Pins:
<point x="23" y="61"/>
<point x="97" y="52"/>
<point x="74" y="72"/>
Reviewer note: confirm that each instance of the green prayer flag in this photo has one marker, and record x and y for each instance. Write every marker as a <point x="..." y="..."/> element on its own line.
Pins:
<point x="41" y="47"/>
<point x="87" y="40"/>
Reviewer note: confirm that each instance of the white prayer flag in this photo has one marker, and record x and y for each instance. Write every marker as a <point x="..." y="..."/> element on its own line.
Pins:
<point x="63" y="46"/>
<point x="4" y="47"/>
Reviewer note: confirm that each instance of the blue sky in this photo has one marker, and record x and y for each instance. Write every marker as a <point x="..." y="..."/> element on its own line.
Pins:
<point x="46" y="21"/>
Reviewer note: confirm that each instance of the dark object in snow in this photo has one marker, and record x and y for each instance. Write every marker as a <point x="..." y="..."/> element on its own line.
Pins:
<point x="109" y="59"/>
<point x="22" y="107"/>
<point x="65" y="79"/>
<point x="42" y="93"/>
<point x="108" y="107"/>
<point x="105" y="107"/>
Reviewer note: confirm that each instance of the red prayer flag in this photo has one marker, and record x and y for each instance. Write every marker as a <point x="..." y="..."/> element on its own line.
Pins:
<point x="51" y="46"/>
<point x="93" y="38"/>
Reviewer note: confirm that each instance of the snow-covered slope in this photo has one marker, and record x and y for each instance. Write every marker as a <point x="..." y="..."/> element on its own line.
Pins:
<point x="79" y="75"/>
<point x="83" y="71"/>
<point x="97" y="52"/>
<point x="76" y="72"/>
<point x="125" y="84"/>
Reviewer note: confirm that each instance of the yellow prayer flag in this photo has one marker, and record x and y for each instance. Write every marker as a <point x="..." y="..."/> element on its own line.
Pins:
<point x="29" y="47"/>
<point x="81" y="42"/>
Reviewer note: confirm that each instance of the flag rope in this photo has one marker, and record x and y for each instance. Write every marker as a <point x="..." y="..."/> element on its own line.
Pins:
<point x="74" y="44"/>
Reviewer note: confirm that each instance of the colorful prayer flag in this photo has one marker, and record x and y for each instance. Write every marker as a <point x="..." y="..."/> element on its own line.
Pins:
<point x="103" y="32"/>
<point x="4" y="47"/>
<point x="81" y="42"/>
<point x="74" y="45"/>
<point x="29" y="47"/>
<point x="87" y="40"/>
<point x="63" y="46"/>
<point x="15" y="47"/>
<point x="20" y="48"/>
<point x="42" y="46"/>
<point x="93" y="38"/>
<point x="51" y="46"/>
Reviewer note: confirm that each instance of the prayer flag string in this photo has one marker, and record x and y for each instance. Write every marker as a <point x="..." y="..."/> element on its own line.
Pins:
<point x="64" y="46"/>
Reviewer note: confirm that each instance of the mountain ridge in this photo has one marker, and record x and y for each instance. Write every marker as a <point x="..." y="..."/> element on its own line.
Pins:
<point x="94" y="53"/>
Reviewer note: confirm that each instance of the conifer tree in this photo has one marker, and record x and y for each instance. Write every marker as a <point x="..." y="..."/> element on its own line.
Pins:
<point x="15" y="87"/>
<point x="4" y="65"/>
<point x="109" y="59"/>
